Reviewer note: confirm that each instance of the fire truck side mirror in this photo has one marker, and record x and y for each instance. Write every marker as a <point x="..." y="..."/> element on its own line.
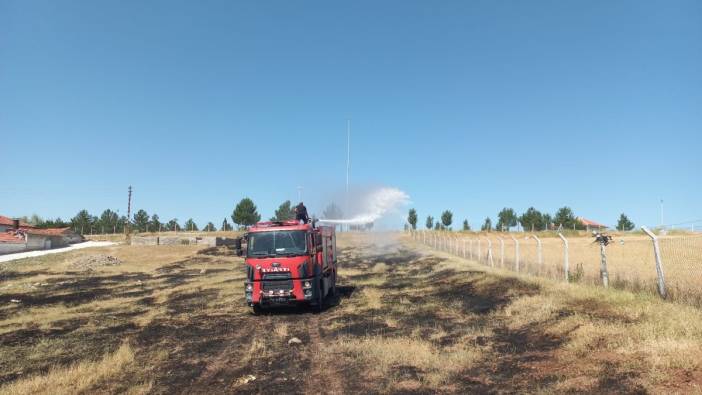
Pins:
<point x="237" y="247"/>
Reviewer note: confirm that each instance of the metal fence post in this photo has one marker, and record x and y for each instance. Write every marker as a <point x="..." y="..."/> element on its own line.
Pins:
<point x="471" y="248"/>
<point x="539" y="257"/>
<point x="516" y="253"/>
<point x="489" y="255"/>
<point x="464" y="248"/>
<point x="480" y="255"/>
<point x="566" y="264"/>
<point x="659" y="264"/>
<point x="603" y="266"/>
<point x="502" y="251"/>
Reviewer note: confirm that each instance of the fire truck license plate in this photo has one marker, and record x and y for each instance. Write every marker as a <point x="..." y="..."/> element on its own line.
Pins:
<point x="278" y="300"/>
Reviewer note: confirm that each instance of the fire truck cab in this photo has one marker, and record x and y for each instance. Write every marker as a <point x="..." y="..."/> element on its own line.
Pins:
<point x="288" y="263"/>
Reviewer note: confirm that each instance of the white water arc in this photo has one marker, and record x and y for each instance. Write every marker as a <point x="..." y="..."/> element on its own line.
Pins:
<point x="374" y="206"/>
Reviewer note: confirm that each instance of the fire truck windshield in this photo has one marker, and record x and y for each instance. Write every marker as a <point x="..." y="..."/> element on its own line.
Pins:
<point x="277" y="243"/>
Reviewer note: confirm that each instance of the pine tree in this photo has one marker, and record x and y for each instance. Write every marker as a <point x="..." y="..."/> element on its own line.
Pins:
<point x="624" y="224"/>
<point x="506" y="219"/>
<point x="226" y="227"/>
<point x="154" y="224"/>
<point x="81" y="222"/>
<point x="108" y="222"/>
<point x="447" y="219"/>
<point x="487" y="226"/>
<point x="245" y="213"/>
<point x="284" y="212"/>
<point x="430" y="222"/>
<point x="412" y="218"/>
<point x="190" y="225"/>
<point x="141" y="221"/>
<point x="532" y="220"/>
<point x="173" y="225"/>
<point x="466" y="226"/>
<point x="565" y="217"/>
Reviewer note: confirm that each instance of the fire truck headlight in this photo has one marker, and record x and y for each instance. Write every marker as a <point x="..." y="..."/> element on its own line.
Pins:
<point x="249" y="287"/>
<point x="306" y="284"/>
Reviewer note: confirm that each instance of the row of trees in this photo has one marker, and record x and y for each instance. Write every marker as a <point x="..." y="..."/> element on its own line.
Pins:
<point x="141" y="221"/>
<point x="532" y="220"/>
<point x="245" y="214"/>
<point x="445" y="223"/>
<point x="111" y="222"/>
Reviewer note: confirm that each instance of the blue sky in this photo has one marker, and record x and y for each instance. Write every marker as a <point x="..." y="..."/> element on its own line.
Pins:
<point x="465" y="105"/>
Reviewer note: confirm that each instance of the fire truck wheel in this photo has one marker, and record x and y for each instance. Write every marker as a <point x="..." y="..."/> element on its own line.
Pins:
<point x="319" y="302"/>
<point x="256" y="309"/>
<point x="332" y="291"/>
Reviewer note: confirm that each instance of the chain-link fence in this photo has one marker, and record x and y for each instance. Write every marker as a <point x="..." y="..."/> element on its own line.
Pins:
<point x="682" y="264"/>
<point x="626" y="262"/>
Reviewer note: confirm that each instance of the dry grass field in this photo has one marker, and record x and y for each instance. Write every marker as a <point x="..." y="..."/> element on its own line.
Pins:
<point x="630" y="260"/>
<point x="170" y="319"/>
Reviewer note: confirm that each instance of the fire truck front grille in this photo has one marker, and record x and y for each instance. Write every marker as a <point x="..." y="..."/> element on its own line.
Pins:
<point x="276" y="282"/>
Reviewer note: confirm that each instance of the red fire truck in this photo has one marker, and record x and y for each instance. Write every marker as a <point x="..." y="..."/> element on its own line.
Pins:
<point x="288" y="263"/>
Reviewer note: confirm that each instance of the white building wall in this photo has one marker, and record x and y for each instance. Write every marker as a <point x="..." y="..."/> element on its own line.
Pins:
<point x="9" y="248"/>
<point x="36" y="242"/>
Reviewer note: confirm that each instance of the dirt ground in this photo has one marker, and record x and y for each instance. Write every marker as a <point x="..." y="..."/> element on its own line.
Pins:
<point x="171" y="319"/>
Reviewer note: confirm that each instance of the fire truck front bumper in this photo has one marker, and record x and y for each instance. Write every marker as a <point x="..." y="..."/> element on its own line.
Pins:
<point x="294" y="291"/>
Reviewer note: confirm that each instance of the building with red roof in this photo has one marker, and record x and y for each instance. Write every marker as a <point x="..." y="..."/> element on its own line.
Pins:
<point x="18" y="236"/>
<point x="591" y="225"/>
<point x="9" y="223"/>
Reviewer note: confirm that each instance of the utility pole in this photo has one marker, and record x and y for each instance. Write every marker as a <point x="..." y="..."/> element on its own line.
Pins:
<point x="129" y="213"/>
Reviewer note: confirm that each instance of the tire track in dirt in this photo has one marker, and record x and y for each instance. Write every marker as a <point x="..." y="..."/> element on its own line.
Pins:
<point x="221" y="370"/>
<point x="323" y="376"/>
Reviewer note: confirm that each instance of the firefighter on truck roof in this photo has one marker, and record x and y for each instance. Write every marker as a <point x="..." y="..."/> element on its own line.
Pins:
<point x="301" y="213"/>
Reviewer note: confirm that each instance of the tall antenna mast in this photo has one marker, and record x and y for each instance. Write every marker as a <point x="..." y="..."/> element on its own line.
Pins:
<point x="348" y="162"/>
